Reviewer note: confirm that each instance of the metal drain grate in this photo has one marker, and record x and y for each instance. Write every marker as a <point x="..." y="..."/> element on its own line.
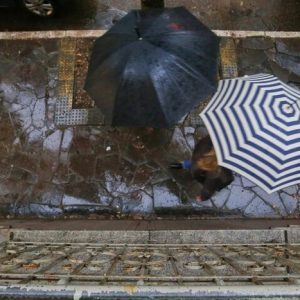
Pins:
<point x="175" y="264"/>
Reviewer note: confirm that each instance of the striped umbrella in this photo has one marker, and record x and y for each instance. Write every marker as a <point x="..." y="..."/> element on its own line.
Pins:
<point x="254" y="123"/>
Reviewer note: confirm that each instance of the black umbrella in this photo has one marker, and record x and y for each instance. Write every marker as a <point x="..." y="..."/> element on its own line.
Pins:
<point x="153" y="67"/>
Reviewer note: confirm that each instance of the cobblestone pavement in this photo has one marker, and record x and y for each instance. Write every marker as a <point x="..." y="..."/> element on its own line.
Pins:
<point x="244" y="15"/>
<point x="49" y="170"/>
<point x="74" y="14"/>
<point x="217" y="14"/>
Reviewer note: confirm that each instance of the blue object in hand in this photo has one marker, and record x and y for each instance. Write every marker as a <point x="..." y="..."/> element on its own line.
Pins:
<point x="187" y="164"/>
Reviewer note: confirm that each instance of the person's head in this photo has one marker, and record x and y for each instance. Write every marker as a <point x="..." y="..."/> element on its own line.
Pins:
<point x="208" y="162"/>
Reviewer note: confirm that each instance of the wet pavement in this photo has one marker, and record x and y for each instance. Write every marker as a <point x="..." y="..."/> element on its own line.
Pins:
<point x="278" y="15"/>
<point x="73" y="14"/>
<point x="101" y="14"/>
<point x="50" y="170"/>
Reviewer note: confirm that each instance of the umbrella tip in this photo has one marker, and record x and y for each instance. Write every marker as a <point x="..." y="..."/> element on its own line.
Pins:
<point x="138" y="33"/>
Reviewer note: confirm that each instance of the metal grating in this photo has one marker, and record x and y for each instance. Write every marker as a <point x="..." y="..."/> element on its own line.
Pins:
<point x="171" y="264"/>
<point x="65" y="114"/>
<point x="229" y="67"/>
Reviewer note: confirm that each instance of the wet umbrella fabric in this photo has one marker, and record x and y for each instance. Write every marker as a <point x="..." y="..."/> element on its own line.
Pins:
<point x="152" y="68"/>
<point x="254" y="123"/>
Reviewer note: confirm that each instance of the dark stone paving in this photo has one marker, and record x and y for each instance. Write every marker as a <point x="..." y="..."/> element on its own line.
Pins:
<point x="244" y="15"/>
<point x="74" y="14"/>
<point x="217" y="14"/>
<point x="280" y="57"/>
<point x="47" y="170"/>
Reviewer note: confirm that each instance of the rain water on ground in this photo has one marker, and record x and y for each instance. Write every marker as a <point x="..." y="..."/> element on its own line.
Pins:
<point x="101" y="14"/>
<point x="51" y="170"/>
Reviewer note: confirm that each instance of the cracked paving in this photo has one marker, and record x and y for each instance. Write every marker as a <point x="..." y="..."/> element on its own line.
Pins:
<point x="50" y="170"/>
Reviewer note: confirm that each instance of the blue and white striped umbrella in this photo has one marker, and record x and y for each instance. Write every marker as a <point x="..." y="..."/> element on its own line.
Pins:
<point x="254" y="123"/>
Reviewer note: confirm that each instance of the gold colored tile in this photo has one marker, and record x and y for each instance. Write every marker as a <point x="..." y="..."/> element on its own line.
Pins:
<point x="65" y="88"/>
<point x="228" y="59"/>
<point x="67" y="45"/>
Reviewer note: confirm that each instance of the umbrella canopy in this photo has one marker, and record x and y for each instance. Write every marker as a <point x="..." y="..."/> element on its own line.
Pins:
<point x="254" y="123"/>
<point x="152" y="68"/>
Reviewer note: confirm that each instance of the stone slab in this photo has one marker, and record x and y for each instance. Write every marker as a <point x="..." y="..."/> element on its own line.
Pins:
<point x="121" y="4"/>
<point x="218" y="236"/>
<point x="55" y="236"/>
<point x="159" y="237"/>
<point x="293" y="234"/>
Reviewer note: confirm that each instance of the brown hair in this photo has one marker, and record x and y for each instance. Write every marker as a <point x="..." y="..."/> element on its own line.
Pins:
<point x="208" y="162"/>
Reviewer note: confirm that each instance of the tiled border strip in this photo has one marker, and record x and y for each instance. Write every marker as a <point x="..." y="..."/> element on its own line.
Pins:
<point x="52" y="34"/>
<point x="254" y="33"/>
<point x="228" y="64"/>
<point x="65" y="115"/>
<point x="56" y="34"/>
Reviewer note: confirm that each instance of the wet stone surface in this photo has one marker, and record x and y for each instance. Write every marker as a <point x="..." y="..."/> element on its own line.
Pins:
<point x="74" y="14"/>
<point x="47" y="170"/>
<point x="244" y="15"/>
<point x="101" y="14"/>
<point x="279" y="57"/>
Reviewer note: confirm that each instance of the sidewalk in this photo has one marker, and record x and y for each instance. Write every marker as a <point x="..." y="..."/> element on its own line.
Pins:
<point x="49" y="168"/>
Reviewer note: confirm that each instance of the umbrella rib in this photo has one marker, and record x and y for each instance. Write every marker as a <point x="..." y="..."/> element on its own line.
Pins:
<point x="175" y="83"/>
<point x="121" y="76"/>
<point x="108" y="57"/>
<point x="158" y="104"/>
<point x="121" y="83"/>
<point x="192" y="72"/>
<point x="154" y="21"/>
<point x="183" y="33"/>
<point x="179" y="32"/>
